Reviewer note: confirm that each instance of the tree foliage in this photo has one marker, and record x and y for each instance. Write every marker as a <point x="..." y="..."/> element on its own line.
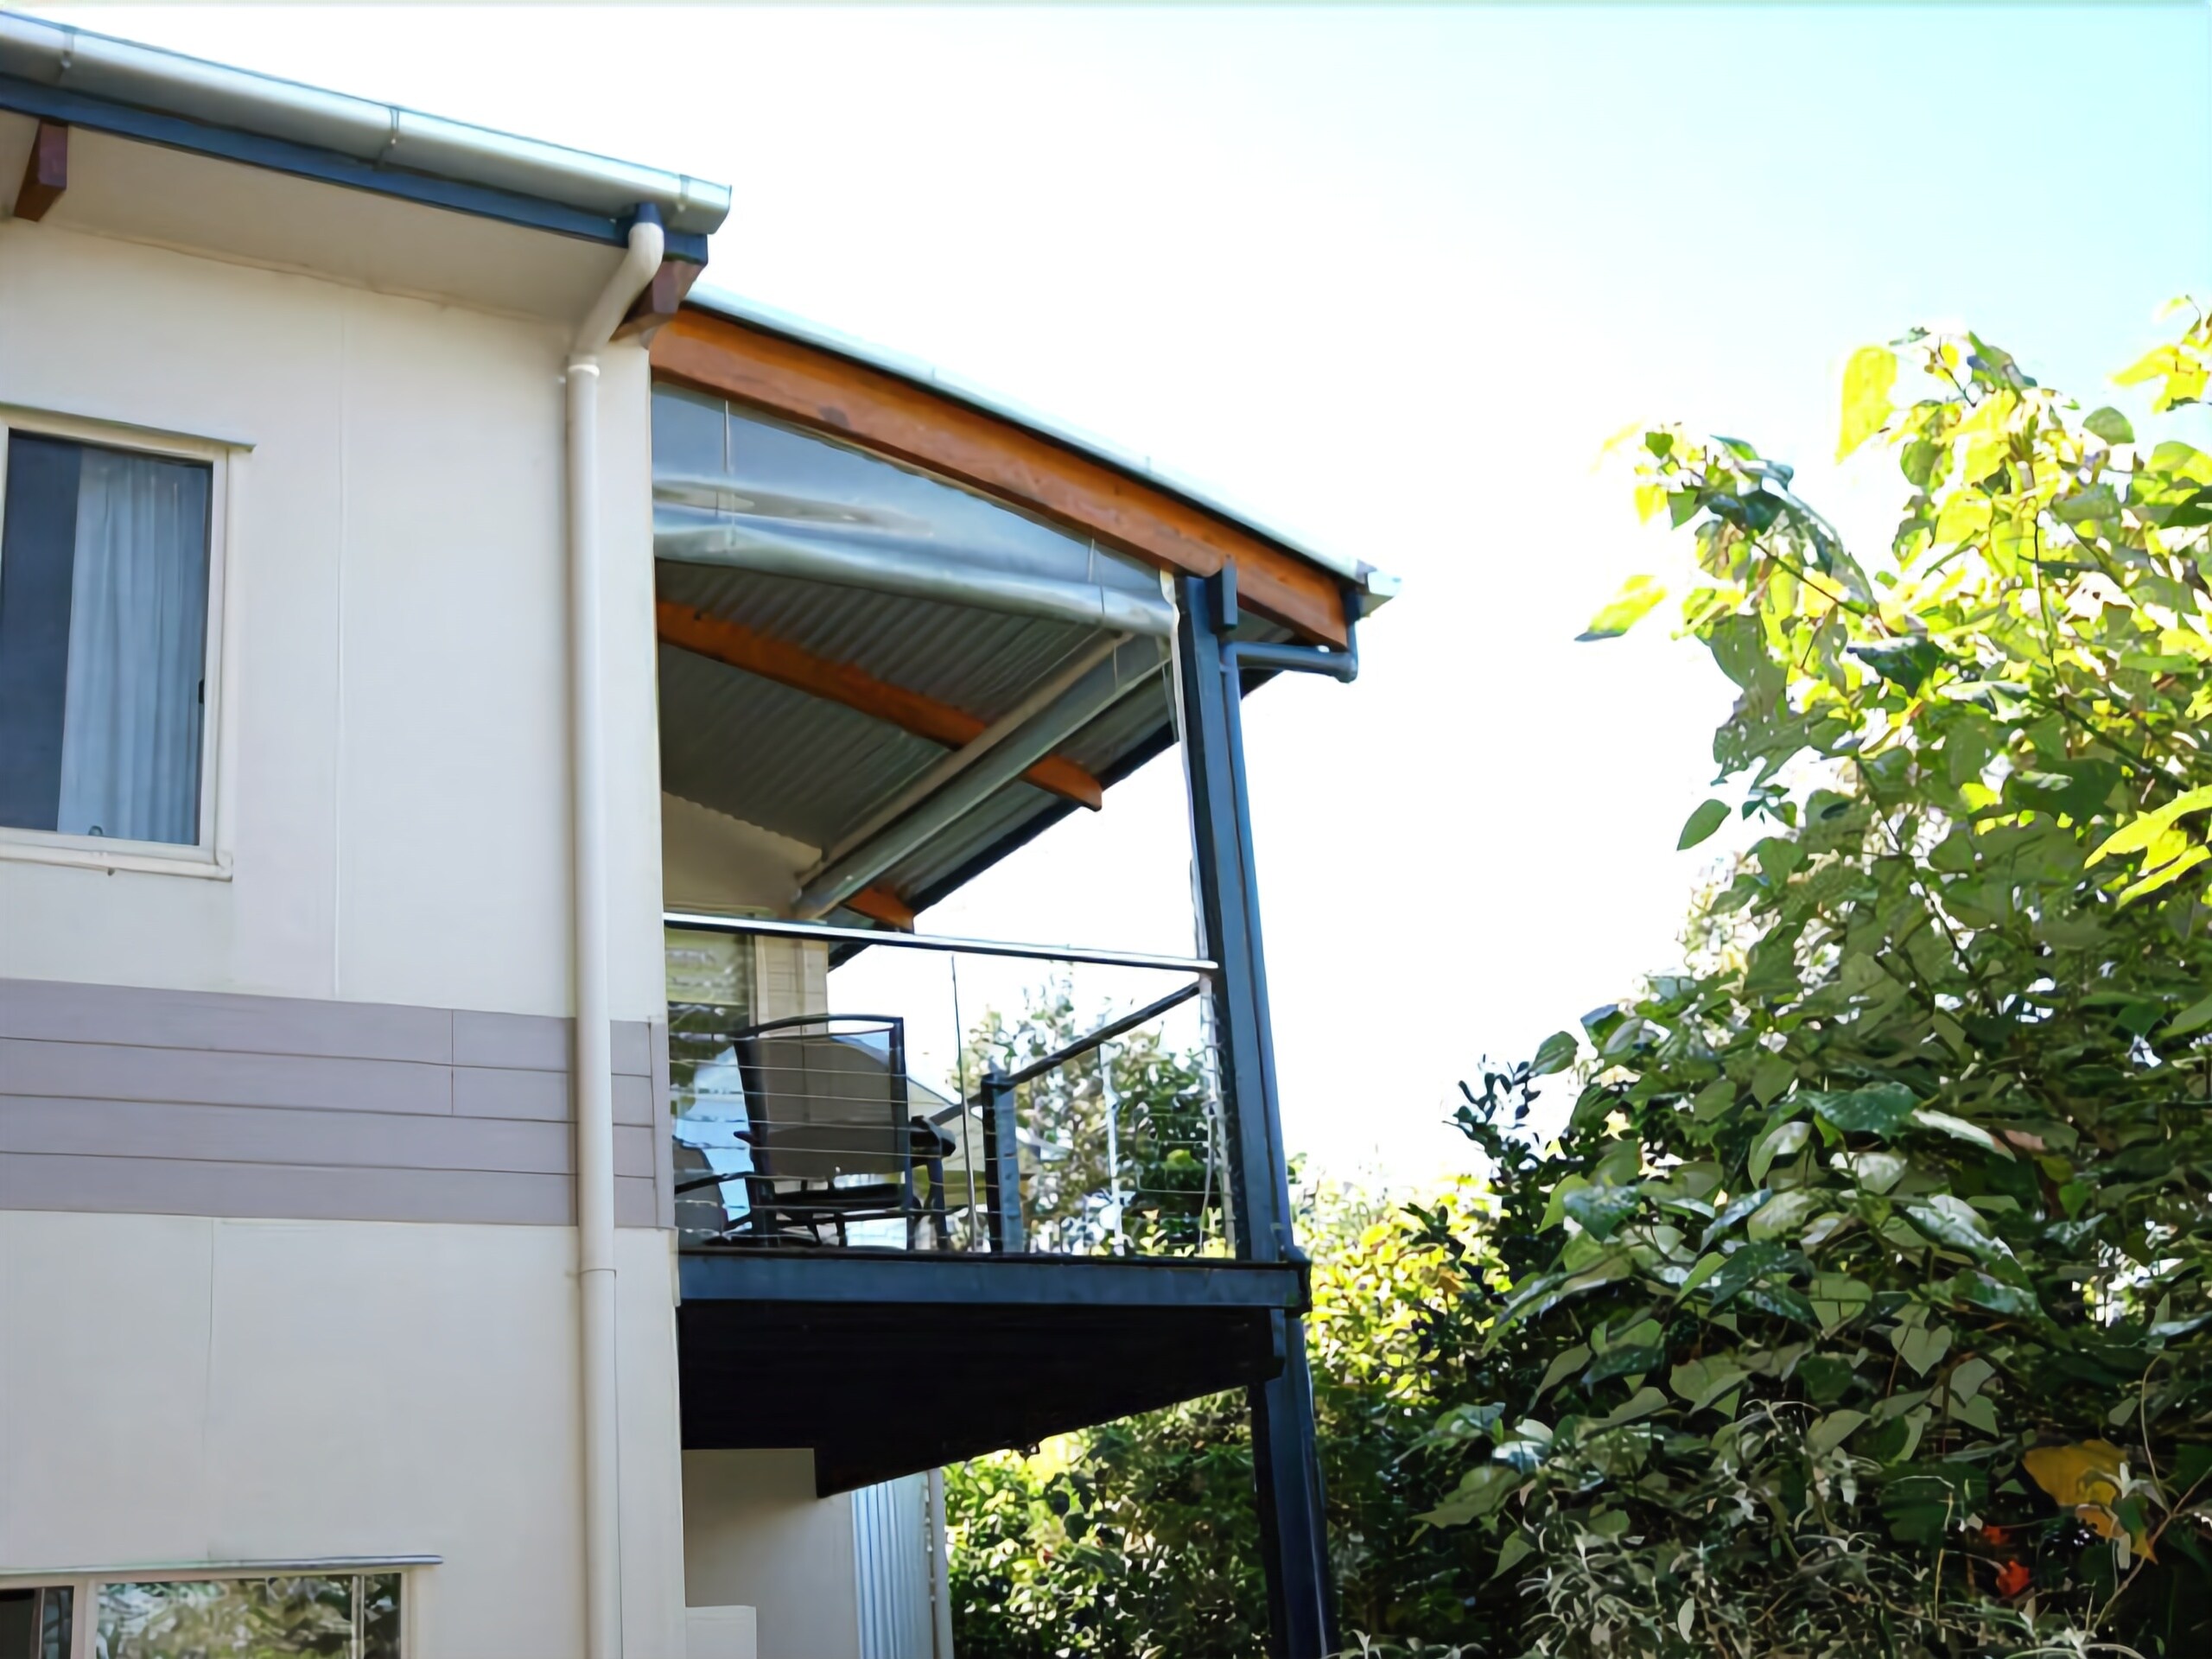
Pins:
<point x="1141" y="1537"/>
<point x="1861" y="1304"/>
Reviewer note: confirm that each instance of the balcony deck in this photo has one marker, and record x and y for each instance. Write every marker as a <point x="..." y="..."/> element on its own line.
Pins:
<point x="885" y="1362"/>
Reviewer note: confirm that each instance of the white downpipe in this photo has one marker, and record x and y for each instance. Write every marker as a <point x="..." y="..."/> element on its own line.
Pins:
<point x="594" y="1041"/>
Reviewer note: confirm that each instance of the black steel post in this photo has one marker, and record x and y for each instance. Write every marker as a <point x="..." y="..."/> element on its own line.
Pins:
<point x="1001" y="1164"/>
<point x="1287" y="1471"/>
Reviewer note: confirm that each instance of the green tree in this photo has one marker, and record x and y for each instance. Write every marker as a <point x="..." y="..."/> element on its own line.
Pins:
<point x="1141" y="1538"/>
<point x="1861" y="1307"/>
<point x="1159" y="1170"/>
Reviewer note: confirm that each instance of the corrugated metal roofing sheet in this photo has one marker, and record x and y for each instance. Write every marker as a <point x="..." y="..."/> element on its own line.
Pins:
<point x="981" y="661"/>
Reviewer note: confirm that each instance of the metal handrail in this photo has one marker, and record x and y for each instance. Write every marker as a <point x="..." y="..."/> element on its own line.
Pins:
<point x="773" y="928"/>
<point x="1082" y="1045"/>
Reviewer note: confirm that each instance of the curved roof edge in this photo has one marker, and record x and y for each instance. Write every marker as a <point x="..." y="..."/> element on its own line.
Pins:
<point x="1376" y="585"/>
<point x="102" y="66"/>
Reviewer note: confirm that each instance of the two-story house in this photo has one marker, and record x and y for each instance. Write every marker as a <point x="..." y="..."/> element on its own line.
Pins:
<point x="459" y="699"/>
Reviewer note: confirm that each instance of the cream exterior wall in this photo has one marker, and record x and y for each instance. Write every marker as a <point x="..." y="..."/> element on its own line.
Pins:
<point x="754" y="1534"/>
<point x="177" y="1390"/>
<point x="400" y="779"/>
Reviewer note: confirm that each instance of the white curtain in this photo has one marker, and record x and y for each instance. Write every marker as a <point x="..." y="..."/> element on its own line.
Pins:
<point x="132" y="722"/>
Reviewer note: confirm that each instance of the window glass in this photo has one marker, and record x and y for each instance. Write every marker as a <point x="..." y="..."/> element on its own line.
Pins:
<point x="329" y="1617"/>
<point x="35" y="1624"/>
<point x="103" y="640"/>
<point x="709" y="998"/>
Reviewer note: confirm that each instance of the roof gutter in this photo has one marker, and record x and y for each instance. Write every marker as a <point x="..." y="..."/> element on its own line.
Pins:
<point x="56" y="73"/>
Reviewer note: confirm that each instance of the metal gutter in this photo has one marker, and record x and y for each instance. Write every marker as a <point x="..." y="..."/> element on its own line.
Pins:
<point x="1374" y="586"/>
<point x="59" y="72"/>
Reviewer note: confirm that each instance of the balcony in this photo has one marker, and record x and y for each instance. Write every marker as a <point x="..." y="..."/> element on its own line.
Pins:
<point x="896" y="1272"/>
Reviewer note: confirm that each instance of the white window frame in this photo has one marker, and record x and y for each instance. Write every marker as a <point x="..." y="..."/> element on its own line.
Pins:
<point x="209" y="856"/>
<point x="85" y="1587"/>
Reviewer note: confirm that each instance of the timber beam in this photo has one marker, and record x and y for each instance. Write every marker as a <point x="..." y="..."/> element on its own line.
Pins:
<point x="738" y="646"/>
<point x="46" y="171"/>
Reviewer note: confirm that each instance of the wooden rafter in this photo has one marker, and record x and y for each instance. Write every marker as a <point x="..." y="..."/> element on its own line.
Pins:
<point x="1000" y="457"/>
<point x="739" y="646"/>
<point x="880" y="904"/>
<point x="663" y="296"/>
<point x="46" y="171"/>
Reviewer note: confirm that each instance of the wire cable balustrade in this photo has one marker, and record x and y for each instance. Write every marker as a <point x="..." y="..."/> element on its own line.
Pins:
<point x="811" y="1132"/>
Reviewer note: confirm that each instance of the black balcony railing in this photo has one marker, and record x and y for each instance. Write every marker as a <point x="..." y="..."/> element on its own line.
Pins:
<point x="812" y="1132"/>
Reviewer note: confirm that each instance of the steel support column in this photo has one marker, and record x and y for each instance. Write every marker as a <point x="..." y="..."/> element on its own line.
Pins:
<point x="1301" y="1612"/>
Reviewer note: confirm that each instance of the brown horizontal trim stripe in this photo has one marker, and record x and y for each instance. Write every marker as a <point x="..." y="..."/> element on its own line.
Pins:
<point x="998" y="456"/>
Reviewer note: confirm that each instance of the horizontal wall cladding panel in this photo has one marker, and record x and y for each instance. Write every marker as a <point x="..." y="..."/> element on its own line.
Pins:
<point x="166" y="1186"/>
<point x="118" y="1098"/>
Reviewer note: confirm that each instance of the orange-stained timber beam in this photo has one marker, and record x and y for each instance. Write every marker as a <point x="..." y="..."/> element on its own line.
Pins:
<point x="46" y="171"/>
<point x="792" y="665"/>
<point x="881" y="904"/>
<point x="1000" y="457"/>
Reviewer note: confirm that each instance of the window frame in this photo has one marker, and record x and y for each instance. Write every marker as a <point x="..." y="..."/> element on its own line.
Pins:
<point x="209" y="855"/>
<point x="85" y="1587"/>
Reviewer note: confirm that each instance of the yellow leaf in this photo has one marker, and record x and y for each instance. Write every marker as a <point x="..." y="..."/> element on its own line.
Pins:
<point x="2087" y="1473"/>
<point x="2158" y="877"/>
<point x="2159" y="360"/>
<point x="1866" y="382"/>
<point x="2086" y="1480"/>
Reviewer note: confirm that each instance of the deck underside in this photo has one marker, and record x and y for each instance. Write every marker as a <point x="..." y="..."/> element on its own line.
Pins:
<point x="886" y="1364"/>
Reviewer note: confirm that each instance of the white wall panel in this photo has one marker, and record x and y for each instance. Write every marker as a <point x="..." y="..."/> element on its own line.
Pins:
<point x="177" y="1390"/>
<point x="401" y="779"/>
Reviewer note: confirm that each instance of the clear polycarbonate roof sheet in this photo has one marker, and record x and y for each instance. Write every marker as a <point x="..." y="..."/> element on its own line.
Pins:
<point x="713" y="463"/>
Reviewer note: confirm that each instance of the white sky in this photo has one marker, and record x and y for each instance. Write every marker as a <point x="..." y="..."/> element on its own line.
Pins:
<point x="1391" y="277"/>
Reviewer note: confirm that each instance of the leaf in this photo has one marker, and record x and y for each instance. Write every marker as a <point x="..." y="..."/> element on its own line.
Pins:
<point x="1738" y="1272"/>
<point x="1782" y="1216"/>
<point x="1555" y="1053"/>
<point x="1995" y="1296"/>
<point x="1634" y="1360"/>
<point x="1782" y="1140"/>
<point x="1959" y="1129"/>
<point x="1904" y="666"/>
<point x="1867" y="379"/>
<point x="1515" y="1550"/>
<point x="1737" y="1210"/>
<point x="2138" y="833"/>
<point x="1719" y="1095"/>
<point x="1634" y="602"/>
<point x="2086" y="1478"/>
<point x="1482" y="1492"/>
<point x="1642" y="1404"/>
<point x="1565" y="1364"/>
<point x="1951" y="1220"/>
<point x="2165" y="873"/>
<point x="2109" y="424"/>
<point x="1701" y="824"/>
<point x="1833" y="1430"/>
<point x="1601" y="1209"/>
<point x="1922" y="1347"/>
<point x="1879" y="1108"/>
<point x="2077" y="789"/>
<point x="1702" y="1382"/>
<point x="2196" y="1015"/>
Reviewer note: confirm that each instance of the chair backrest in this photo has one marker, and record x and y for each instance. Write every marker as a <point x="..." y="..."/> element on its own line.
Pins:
<point x="827" y="1096"/>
